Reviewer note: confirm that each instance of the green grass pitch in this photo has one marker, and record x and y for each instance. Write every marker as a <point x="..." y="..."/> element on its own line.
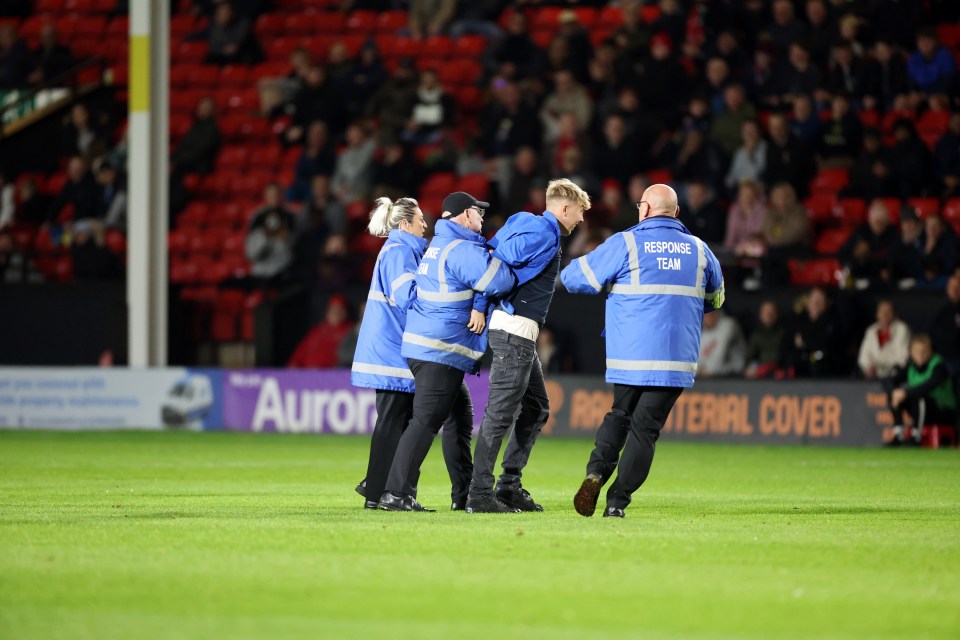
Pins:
<point x="182" y="535"/>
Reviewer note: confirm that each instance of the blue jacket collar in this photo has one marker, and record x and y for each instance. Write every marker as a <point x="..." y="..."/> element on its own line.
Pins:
<point x="445" y="228"/>
<point x="402" y="237"/>
<point x="660" y="222"/>
<point x="552" y="218"/>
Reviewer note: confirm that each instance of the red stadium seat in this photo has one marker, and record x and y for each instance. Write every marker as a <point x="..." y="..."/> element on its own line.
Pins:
<point x="116" y="241"/>
<point x="190" y="52"/>
<point x="235" y="75"/>
<point x="364" y="243"/>
<point x="650" y="13"/>
<point x="949" y="35"/>
<point x="586" y="16"/>
<point x="86" y="26"/>
<point x="297" y="25"/>
<point x="177" y="241"/>
<point x="820" y="208"/>
<point x="233" y="157"/>
<point x="330" y="22"/>
<point x="48" y="6"/>
<point x="389" y="22"/>
<point x="545" y="18"/>
<point x="830" y="240"/>
<point x="361" y="21"/>
<point x="829" y="181"/>
<point x="466" y="46"/>
<point x="893" y="207"/>
<point x="611" y="16"/>
<point x="476" y="184"/>
<point x="183" y="24"/>
<point x="459" y="72"/>
<point x="279" y="49"/>
<point x="951" y="213"/>
<point x="817" y="271"/>
<point x="469" y="99"/>
<point x="270" y="70"/>
<point x="660" y="176"/>
<point x="439" y="184"/>
<point x="269" y="25"/>
<point x="852" y="211"/>
<point x="202" y="76"/>
<point x="266" y="157"/>
<point x="925" y="206"/>
<point x="78" y="6"/>
<point x="934" y="121"/>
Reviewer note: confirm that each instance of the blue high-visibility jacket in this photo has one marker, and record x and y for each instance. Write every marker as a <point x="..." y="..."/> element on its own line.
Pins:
<point x="455" y="267"/>
<point x="377" y="363"/>
<point x="527" y="243"/>
<point x="662" y="279"/>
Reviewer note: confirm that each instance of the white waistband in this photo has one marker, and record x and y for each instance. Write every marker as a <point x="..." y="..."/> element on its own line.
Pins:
<point x="516" y="325"/>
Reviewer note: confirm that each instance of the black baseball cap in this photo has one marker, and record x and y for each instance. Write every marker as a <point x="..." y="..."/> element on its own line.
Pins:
<point x="455" y="203"/>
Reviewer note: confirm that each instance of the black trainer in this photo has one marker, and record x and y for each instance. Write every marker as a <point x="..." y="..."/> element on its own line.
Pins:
<point x="518" y="499"/>
<point x="457" y="506"/>
<point x="585" y="502"/>
<point x="393" y="502"/>
<point x="362" y="488"/>
<point x="613" y="512"/>
<point x="488" y="504"/>
<point x="371" y="504"/>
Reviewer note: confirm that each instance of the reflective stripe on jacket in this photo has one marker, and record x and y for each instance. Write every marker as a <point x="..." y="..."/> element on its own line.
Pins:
<point x="661" y="279"/>
<point x="377" y="363"/>
<point x="455" y="267"/>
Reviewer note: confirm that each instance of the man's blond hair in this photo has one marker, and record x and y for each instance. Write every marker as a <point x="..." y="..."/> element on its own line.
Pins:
<point x="564" y="189"/>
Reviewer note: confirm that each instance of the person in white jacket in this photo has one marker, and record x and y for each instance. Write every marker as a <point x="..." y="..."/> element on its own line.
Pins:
<point x="722" y="347"/>
<point x="885" y="345"/>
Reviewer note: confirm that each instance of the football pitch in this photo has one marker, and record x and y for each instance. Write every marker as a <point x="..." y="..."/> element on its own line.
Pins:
<point x="186" y="535"/>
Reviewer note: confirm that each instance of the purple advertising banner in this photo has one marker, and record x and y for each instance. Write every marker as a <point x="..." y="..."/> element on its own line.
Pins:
<point x="319" y="401"/>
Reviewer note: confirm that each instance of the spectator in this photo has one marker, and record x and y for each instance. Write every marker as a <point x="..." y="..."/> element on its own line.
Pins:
<point x="572" y="167"/>
<point x="614" y="211"/>
<point x="198" y="148"/>
<point x="848" y="73"/>
<point x="338" y="65"/>
<point x="615" y="154"/>
<point x="798" y="75"/>
<point x="663" y="69"/>
<point x="886" y="344"/>
<point x="351" y="178"/>
<point x="432" y="109"/>
<point x="868" y="253"/>
<point x="947" y="158"/>
<point x="762" y="83"/>
<point x="389" y="105"/>
<point x="395" y="174"/>
<point x="922" y="390"/>
<point x="318" y="158"/>
<point x="348" y="346"/>
<point x="886" y="79"/>
<point x="81" y="136"/>
<point x="727" y="127"/>
<point x="588" y="236"/>
<point x="908" y="252"/>
<point x="316" y="100"/>
<point x="7" y="209"/>
<point x="702" y="214"/>
<point x="745" y="221"/>
<point x="553" y="357"/>
<point x="112" y="197"/>
<point x="727" y="48"/>
<point x="568" y="137"/>
<point x="578" y="43"/>
<point x="841" y="135"/>
<point x="815" y="338"/>
<point x="805" y="123"/>
<point x="750" y="158"/>
<point x="912" y="163"/>
<point x="931" y="67"/>
<point x="765" y="348"/>
<point x="515" y="56"/>
<point x="820" y="32"/>
<point x="92" y="260"/>
<point x="50" y="58"/>
<point x="945" y="326"/>
<point x="785" y="226"/>
<point x="716" y="73"/>
<point x="786" y="29"/>
<point x="940" y="250"/>
<point x="788" y="160"/>
<point x="692" y="156"/>
<point x="277" y="92"/>
<point x="430" y="17"/>
<point x="697" y="116"/>
<point x="478" y="17"/>
<point x="509" y="122"/>
<point x="363" y="78"/>
<point x="567" y="97"/>
<point x="872" y="173"/>
<point x="271" y="237"/>
<point x="80" y="190"/>
<point x="14" y="59"/>
<point x="230" y="40"/>
<point x="602" y="82"/>
<point x="318" y="349"/>
<point x="523" y="175"/>
<point x="15" y="265"/>
<point x="722" y="348"/>
<point x="33" y="207"/>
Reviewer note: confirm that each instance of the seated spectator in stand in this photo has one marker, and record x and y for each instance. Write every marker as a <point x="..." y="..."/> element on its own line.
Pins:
<point x="765" y="346"/>
<point x="92" y="260"/>
<point x="278" y="91"/>
<point x="726" y="47"/>
<point x="922" y="390"/>
<point x="698" y="115"/>
<point x="805" y="123"/>
<point x="911" y="160"/>
<point x="940" y="251"/>
<point x="394" y="172"/>
<point x="432" y="110"/>
<point x="886" y="344"/>
<point x="868" y="252"/>
<point x="318" y="158"/>
<point x="316" y="100"/>
<point x="908" y="252"/>
<point x="945" y="326"/>
<point x="788" y="159"/>
<point x="578" y="43"/>
<point x="750" y="159"/>
<point x="763" y="86"/>
<point x="271" y="237"/>
<point x="553" y="357"/>
<point x="872" y="173"/>
<point x="50" y="58"/>
<point x="716" y="74"/>
<point x="632" y="37"/>
<point x="365" y="75"/>
<point x="318" y="349"/>
<point x="814" y="338"/>
<point x="821" y="32"/>
<point x="348" y="346"/>
<point x="7" y="209"/>
<point x="693" y="156"/>
<point x="81" y="138"/>
<point x="722" y="348"/>
<point x="947" y="159"/>
<point x="477" y="18"/>
<point x="523" y="174"/>
<point x="886" y="81"/>
<point x="80" y="190"/>
<point x="848" y="73"/>
<point x="33" y="207"/>
<point x="515" y="55"/>
<point x="841" y="136"/>
<point x="337" y="65"/>
<point x="509" y="122"/>
<point x="111" y="197"/>
<point x="786" y="232"/>
<point x="745" y="221"/>
<point x="587" y="237"/>
<point x="572" y="168"/>
<point x="614" y="211"/>
<point x="567" y="97"/>
<point x="15" y="264"/>
<point x="663" y="69"/>
<point x="430" y="17"/>
<point x="702" y="214"/>
<point x="568" y="137"/>
<point x="351" y="178"/>
<point x="230" y="39"/>
<point x="931" y="68"/>
<point x="322" y="213"/>
<point x="727" y="127"/>
<point x="391" y="103"/>
<point x="15" y="60"/>
<point x="615" y="152"/>
<point x="672" y="21"/>
<point x="798" y="75"/>
<point x="785" y="28"/>
<point x="197" y="149"/>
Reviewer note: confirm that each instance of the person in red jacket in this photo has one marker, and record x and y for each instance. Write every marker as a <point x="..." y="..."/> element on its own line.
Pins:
<point x="318" y="349"/>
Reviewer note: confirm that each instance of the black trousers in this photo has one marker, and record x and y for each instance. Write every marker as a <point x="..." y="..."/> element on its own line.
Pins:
<point x="924" y="410"/>
<point x="394" y="410"/>
<point x="637" y="416"/>
<point x="441" y="393"/>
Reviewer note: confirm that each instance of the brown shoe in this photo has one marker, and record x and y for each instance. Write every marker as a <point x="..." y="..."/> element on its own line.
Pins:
<point x="585" y="502"/>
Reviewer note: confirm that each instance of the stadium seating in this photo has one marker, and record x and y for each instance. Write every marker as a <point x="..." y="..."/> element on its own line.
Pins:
<point x="934" y="436"/>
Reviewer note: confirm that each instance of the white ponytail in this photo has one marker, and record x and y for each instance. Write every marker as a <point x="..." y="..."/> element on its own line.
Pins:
<point x="387" y="215"/>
